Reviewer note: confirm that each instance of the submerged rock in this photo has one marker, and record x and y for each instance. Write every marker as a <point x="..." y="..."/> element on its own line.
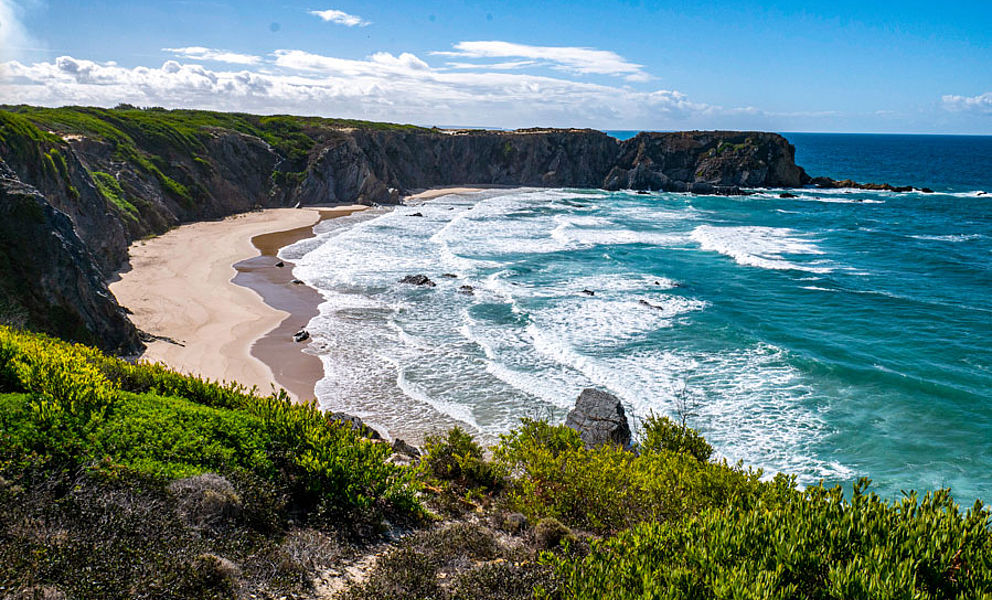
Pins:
<point x="787" y="195"/>
<point x="418" y="280"/>
<point x="600" y="419"/>
<point x="466" y="289"/>
<point x="588" y="292"/>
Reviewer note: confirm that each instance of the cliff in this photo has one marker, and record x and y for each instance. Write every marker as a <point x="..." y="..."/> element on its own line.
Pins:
<point x="119" y="175"/>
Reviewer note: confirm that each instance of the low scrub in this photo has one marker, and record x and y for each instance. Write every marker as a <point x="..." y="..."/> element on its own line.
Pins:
<point x="69" y="408"/>
<point x="607" y="489"/>
<point x="817" y="545"/>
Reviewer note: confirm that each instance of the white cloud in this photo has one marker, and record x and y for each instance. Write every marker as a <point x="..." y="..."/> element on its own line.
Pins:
<point x="585" y="61"/>
<point x="340" y="17"/>
<point x="201" y="53"/>
<point x="382" y="86"/>
<point x="981" y="104"/>
<point x="500" y="66"/>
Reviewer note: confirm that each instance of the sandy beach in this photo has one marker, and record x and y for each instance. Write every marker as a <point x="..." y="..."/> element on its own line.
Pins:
<point x="181" y="286"/>
<point x="444" y="191"/>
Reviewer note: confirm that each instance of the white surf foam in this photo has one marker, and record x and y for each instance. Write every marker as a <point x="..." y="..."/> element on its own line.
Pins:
<point x="762" y="247"/>
<point x="957" y="238"/>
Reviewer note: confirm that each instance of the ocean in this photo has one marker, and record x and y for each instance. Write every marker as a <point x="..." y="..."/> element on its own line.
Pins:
<point x="837" y="335"/>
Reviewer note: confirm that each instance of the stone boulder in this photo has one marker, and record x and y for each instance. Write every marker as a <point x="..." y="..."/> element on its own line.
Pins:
<point x="599" y="418"/>
<point x="355" y="423"/>
<point x="418" y="280"/>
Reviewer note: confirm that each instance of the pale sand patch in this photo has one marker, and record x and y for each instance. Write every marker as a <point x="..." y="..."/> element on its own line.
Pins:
<point x="180" y="287"/>
<point x="444" y="191"/>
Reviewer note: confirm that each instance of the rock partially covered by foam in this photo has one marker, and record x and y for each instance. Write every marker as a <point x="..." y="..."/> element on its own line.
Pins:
<point x="599" y="418"/>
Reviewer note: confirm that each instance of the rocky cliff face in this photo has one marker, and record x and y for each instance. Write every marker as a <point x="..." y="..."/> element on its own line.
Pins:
<point x="49" y="278"/>
<point x="367" y="165"/>
<point x="85" y="183"/>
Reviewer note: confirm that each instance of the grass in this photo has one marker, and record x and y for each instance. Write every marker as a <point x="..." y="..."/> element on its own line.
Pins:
<point x="111" y="190"/>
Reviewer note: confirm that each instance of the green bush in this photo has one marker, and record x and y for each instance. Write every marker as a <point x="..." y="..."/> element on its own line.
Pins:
<point x="818" y="545"/>
<point x="664" y="434"/>
<point x="456" y="457"/>
<point x="607" y="489"/>
<point x="70" y="407"/>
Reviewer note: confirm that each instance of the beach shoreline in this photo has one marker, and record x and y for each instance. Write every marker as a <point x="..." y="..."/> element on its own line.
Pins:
<point x="212" y="295"/>
<point x="181" y="288"/>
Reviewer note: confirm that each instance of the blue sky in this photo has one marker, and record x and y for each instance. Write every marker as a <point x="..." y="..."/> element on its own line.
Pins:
<point x="786" y="66"/>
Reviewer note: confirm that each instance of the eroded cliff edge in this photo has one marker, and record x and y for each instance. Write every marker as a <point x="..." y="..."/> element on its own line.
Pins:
<point x="121" y="174"/>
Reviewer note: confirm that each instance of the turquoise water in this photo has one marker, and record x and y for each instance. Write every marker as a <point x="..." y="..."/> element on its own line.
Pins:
<point x="836" y="335"/>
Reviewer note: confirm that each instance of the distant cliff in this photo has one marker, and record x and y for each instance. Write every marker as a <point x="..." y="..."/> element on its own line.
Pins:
<point x="122" y="174"/>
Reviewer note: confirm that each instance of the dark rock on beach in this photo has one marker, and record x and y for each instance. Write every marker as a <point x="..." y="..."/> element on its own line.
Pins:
<point x="600" y="419"/>
<point x="301" y="336"/>
<point x="418" y="280"/>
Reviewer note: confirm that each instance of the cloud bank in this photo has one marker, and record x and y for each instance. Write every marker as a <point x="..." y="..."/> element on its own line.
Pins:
<point x="382" y="86"/>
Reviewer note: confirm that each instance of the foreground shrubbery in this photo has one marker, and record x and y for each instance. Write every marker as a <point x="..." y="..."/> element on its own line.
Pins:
<point x="608" y="489"/>
<point x="78" y="408"/>
<point x="817" y="545"/>
<point x="676" y="526"/>
<point x="122" y="481"/>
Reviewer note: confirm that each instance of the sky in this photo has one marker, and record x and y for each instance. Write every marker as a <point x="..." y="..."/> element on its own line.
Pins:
<point x="836" y="66"/>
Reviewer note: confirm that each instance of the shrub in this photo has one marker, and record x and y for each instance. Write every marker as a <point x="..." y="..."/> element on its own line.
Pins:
<point x="79" y="409"/>
<point x="607" y="489"/>
<point x="458" y="458"/>
<point x="818" y="545"/>
<point x="206" y="501"/>
<point x="664" y="434"/>
<point x="550" y="533"/>
<point x="214" y="575"/>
